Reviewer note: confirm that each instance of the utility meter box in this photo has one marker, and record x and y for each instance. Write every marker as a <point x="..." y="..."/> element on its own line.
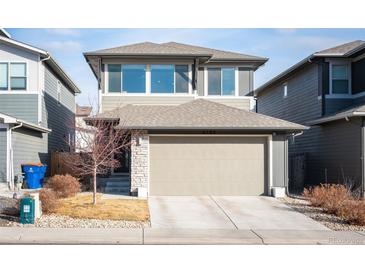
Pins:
<point x="27" y="210"/>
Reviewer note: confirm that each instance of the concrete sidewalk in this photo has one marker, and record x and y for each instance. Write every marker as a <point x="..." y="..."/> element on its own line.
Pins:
<point x="16" y="235"/>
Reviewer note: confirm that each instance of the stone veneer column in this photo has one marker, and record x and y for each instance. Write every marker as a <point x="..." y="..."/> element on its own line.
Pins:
<point x="139" y="160"/>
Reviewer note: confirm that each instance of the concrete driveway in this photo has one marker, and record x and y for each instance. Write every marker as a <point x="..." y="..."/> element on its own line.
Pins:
<point x="223" y="212"/>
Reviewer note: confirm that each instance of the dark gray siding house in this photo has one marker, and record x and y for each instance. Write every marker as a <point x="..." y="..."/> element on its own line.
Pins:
<point x="325" y="91"/>
<point x="37" y="107"/>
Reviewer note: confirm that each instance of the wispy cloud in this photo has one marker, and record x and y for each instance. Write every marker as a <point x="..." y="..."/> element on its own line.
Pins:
<point x="286" y="31"/>
<point x="63" y="46"/>
<point x="65" y="32"/>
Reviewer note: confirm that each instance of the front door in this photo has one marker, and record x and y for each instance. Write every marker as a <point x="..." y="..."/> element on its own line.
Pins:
<point x="124" y="159"/>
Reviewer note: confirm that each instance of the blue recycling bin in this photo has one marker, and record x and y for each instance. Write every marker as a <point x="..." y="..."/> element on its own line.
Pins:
<point x="34" y="175"/>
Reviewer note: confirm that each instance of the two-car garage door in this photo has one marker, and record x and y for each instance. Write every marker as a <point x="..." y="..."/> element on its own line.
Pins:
<point x="208" y="165"/>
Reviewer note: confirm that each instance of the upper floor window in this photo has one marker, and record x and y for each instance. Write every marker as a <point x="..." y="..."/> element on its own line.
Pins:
<point x="18" y="76"/>
<point x="132" y="78"/>
<point x="221" y="81"/>
<point x="15" y="74"/>
<point x="127" y="78"/>
<point x="162" y="78"/>
<point x="4" y="76"/>
<point x="340" y="78"/>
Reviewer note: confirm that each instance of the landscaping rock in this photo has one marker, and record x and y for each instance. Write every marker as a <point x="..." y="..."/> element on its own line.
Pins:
<point x="57" y="221"/>
<point x="320" y="215"/>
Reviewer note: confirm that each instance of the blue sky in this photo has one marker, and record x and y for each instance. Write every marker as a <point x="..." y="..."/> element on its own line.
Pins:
<point x="284" y="47"/>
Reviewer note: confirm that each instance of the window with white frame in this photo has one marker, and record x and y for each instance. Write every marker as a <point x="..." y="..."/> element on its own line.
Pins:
<point x="221" y="81"/>
<point x="285" y="90"/>
<point x="58" y="92"/>
<point x="13" y="76"/>
<point x="4" y="76"/>
<point x="340" y="79"/>
<point x="18" y="76"/>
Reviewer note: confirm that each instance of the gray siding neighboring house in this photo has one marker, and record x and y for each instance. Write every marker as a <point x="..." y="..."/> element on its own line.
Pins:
<point x="333" y="146"/>
<point x="39" y="117"/>
<point x="3" y="154"/>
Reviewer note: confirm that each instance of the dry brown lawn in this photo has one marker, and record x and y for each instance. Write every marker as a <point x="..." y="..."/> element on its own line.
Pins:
<point x="81" y="207"/>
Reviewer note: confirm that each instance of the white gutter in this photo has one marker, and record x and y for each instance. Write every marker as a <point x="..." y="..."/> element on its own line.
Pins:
<point x="11" y="156"/>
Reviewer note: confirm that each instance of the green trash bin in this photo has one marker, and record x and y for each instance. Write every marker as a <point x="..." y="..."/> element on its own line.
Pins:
<point x="27" y="211"/>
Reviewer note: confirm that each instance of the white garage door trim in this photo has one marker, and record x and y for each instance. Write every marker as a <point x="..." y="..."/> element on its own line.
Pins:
<point x="269" y="143"/>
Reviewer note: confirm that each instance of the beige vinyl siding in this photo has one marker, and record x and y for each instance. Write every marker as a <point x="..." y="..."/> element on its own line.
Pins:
<point x="190" y="165"/>
<point x="237" y="102"/>
<point x="110" y="102"/>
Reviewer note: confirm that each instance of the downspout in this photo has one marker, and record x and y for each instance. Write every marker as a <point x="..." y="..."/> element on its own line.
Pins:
<point x="363" y="157"/>
<point x="11" y="160"/>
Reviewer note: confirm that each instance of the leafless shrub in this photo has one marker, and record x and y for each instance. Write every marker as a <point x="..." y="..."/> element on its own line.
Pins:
<point x="329" y="196"/>
<point x="48" y="197"/>
<point x="64" y="185"/>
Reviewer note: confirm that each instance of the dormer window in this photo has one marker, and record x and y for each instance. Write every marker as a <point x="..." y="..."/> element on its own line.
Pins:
<point x="340" y="75"/>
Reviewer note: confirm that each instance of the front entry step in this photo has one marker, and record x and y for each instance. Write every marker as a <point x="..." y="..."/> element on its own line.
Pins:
<point x="115" y="184"/>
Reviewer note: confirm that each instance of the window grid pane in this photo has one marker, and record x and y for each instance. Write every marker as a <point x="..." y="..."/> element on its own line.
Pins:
<point x="18" y="70"/>
<point x="181" y="79"/>
<point x="18" y="83"/>
<point x="4" y="76"/>
<point x="214" y="81"/>
<point x="228" y="81"/>
<point x="162" y="78"/>
<point x="340" y="82"/>
<point x="134" y="78"/>
<point x="339" y="72"/>
<point x="114" y="81"/>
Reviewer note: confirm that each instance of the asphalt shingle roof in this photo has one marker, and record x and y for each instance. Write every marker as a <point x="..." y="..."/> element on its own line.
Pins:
<point x="349" y="112"/>
<point x="196" y="114"/>
<point x="175" y="49"/>
<point x="342" y="50"/>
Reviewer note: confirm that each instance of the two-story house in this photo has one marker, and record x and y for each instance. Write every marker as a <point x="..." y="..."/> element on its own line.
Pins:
<point x="192" y="128"/>
<point x="37" y="107"/>
<point x="325" y="91"/>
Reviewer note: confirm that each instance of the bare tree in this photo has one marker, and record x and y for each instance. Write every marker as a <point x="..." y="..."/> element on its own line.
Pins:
<point x="97" y="145"/>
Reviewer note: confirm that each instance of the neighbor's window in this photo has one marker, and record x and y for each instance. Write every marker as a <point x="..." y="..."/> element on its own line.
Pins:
<point x="162" y="78"/>
<point x="340" y="79"/>
<point x="285" y="90"/>
<point x="134" y="78"/>
<point x="221" y="81"/>
<point x="18" y="76"/>
<point x="4" y="76"/>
